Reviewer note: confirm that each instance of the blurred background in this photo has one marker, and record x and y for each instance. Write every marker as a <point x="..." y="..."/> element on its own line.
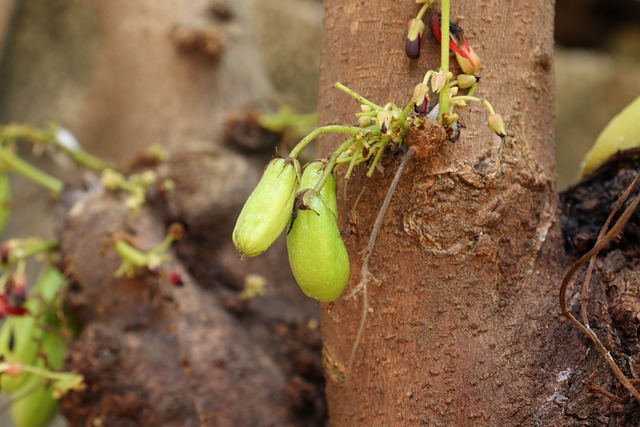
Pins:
<point x="75" y="63"/>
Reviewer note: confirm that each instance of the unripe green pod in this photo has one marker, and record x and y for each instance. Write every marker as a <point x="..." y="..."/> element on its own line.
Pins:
<point x="268" y="209"/>
<point x="19" y="342"/>
<point x="621" y="133"/>
<point x="34" y="404"/>
<point x="21" y="336"/>
<point x="317" y="255"/>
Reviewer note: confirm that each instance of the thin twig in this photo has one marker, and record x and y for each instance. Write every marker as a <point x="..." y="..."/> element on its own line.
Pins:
<point x="602" y="241"/>
<point x="597" y="389"/>
<point x="587" y="279"/>
<point x="364" y="270"/>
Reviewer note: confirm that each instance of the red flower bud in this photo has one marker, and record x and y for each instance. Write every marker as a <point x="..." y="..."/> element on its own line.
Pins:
<point x="468" y="60"/>
<point x="175" y="279"/>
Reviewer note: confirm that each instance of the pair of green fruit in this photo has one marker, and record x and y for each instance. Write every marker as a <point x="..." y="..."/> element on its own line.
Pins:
<point x="317" y="255"/>
<point x="27" y="340"/>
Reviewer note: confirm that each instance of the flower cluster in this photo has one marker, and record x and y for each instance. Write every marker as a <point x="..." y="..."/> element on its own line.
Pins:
<point x="303" y="201"/>
<point x="154" y="261"/>
<point x="443" y="82"/>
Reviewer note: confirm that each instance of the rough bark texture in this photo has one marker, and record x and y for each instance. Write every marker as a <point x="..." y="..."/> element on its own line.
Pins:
<point x="464" y="328"/>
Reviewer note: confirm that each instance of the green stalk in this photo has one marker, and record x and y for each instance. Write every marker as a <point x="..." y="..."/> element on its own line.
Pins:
<point x="34" y="247"/>
<point x="16" y="164"/>
<point x="357" y="96"/>
<point x="444" y="56"/>
<point x="332" y="162"/>
<point x="45" y="373"/>
<point x="376" y="159"/>
<point x="469" y="98"/>
<point x="320" y="131"/>
<point x="129" y="253"/>
<point x="402" y="118"/>
<point x="87" y="160"/>
<point x="424" y="8"/>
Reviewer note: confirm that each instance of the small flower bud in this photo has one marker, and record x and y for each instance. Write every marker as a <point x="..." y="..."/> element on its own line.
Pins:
<point x="384" y="120"/>
<point x="468" y="61"/>
<point x="268" y="209"/>
<point x="459" y="103"/>
<point x="112" y="179"/>
<point x="175" y="279"/>
<point x="448" y="119"/>
<point x="420" y="94"/>
<point x="497" y="124"/>
<point x="364" y="121"/>
<point x="414" y="36"/>
<point x="465" y="81"/>
<point x="437" y="82"/>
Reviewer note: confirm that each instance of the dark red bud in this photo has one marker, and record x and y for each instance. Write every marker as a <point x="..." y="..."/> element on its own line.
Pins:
<point x="422" y="108"/>
<point x="383" y="128"/>
<point x="175" y="279"/>
<point x="412" y="48"/>
<point x="5" y="250"/>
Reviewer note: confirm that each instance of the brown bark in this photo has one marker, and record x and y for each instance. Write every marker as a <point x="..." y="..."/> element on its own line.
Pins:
<point x="464" y="326"/>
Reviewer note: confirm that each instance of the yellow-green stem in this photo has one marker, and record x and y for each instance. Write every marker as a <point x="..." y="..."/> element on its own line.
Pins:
<point x="17" y="165"/>
<point x="131" y="254"/>
<point x="424" y="8"/>
<point x="320" y="131"/>
<point x="357" y="96"/>
<point x="469" y="98"/>
<point x="444" y="56"/>
<point x="45" y="373"/>
<point x="332" y="162"/>
<point x="37" y="247"/>
<point x="87" y="160"/>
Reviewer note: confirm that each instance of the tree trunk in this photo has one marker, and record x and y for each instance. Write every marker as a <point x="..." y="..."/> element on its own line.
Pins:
<point x="463" y="327"/>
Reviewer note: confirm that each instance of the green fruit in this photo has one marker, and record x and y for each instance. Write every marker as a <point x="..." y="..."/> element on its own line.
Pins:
<point x="20" y="336"/>
<point x="54" y="347"/>
<point x="622" y="133"/>
<point x="49" y="284"/>
<point x="317" y="255"/>
<point x="268" y="209"/>
<point x="19" y="342"/>
<point x="33" y="404"/>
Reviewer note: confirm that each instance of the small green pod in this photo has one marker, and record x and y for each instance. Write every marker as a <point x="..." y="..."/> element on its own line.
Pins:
<point x="19" y="342"/>
<point x="317" y="255"/>
<point x="34" y="405"/>
<point x="621" y="133"/>
<point x="268" y="209"/>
